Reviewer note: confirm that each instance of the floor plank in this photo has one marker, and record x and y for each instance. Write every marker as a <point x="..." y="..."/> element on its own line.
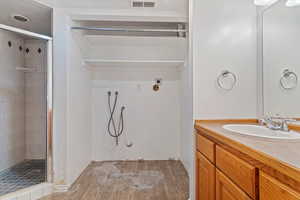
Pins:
<point x="129" y="180"/>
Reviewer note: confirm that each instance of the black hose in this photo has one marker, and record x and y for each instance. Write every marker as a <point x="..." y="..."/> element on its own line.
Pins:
<point x="116" y="133"/>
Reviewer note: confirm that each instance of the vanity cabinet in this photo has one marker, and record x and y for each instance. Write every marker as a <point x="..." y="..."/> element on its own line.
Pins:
<point x="223" y="173"/>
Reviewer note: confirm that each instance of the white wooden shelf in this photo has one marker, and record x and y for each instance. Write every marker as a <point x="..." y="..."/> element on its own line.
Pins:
<point x="95" y="40"/>
<point x="140" y="64"/>
<point x="129" y="15"/>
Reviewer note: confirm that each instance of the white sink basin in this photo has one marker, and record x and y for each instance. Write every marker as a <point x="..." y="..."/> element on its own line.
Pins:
<point x="261" y="131"/>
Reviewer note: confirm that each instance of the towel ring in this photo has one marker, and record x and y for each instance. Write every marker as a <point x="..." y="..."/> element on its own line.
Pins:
<point x="226" y="74"/>
<point x="286" y="77"/>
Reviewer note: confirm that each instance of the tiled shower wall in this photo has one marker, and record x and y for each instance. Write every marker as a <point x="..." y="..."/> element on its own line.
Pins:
<point x="22" y="100"/>
<point x="35" y="100"/>
<point x="12" y="134"/>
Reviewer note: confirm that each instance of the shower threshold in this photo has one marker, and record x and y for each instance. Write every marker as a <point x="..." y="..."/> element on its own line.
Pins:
<point x="22" y="175"/>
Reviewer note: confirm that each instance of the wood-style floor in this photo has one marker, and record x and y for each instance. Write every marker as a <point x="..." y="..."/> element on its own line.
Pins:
<point x="129" y="180"/>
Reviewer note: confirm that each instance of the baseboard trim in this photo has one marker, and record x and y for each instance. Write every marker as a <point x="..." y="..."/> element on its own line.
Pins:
<point x="61" y="188"/>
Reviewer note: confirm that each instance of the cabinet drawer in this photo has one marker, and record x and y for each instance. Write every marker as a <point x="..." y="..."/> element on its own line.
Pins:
<point x="240" y="172"/>
<point x="270" y="188"/>
<point x="227" y="190"/>
<point x="206" y="147"/>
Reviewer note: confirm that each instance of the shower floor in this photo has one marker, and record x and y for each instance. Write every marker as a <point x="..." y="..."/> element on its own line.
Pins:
<point x="22" y="175"/>
<point x="129" y="180"/>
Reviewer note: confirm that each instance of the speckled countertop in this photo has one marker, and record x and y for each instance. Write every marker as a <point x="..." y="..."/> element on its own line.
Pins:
<point x="280" y="154"/>
<point x="296" y="123"/>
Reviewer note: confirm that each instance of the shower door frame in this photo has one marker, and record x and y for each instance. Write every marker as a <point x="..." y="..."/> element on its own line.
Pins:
<point x="49" y="88"/>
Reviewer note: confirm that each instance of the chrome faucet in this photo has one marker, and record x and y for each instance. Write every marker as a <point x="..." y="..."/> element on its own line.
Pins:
<point x="270" y="123"/>
<point x="276" y="123"/>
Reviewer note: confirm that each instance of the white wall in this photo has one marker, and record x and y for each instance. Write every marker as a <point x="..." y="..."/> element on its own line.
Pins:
<point x="71" y="118"/>
<point x="187" y="146"/>
<point x="72" y="102"/>
<point x="281" y="36"/>
<point x="79" y="134"/>
<point x="224" y="37"/>
<point x="60" y="29"/>
<point x="35" y="100"/>
<point x="187" y="137"/>
<point x="152" y="120"/>
<point x="12" y="134"/>
<point x="151" y="117"/>
<point x="135" y="48"/>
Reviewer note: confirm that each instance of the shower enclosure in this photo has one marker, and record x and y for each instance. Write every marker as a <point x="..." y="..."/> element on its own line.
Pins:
<point x="25" y="101"/>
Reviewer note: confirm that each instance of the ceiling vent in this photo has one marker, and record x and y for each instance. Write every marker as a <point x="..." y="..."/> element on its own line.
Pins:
<point x="149" y="4"/>
<point x="137" y="4"/>
<point x="143" y="4"/>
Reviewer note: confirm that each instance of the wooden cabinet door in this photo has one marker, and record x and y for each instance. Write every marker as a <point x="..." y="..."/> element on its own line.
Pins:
<point x="205" y="174"/>
<point x="240" y="172"/>
<point x="227" y="190"/>
<point x="270" y="188"/>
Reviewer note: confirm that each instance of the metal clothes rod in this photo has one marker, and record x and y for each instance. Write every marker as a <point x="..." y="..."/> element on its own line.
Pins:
<point x="129" y="29"/>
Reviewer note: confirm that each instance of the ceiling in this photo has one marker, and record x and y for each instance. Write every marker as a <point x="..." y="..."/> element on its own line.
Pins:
<point x="174" y="6"/>
<point x="40" y="16"/>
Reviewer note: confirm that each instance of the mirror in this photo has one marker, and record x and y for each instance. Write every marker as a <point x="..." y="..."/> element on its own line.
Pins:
<point x="281" y="59"/>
